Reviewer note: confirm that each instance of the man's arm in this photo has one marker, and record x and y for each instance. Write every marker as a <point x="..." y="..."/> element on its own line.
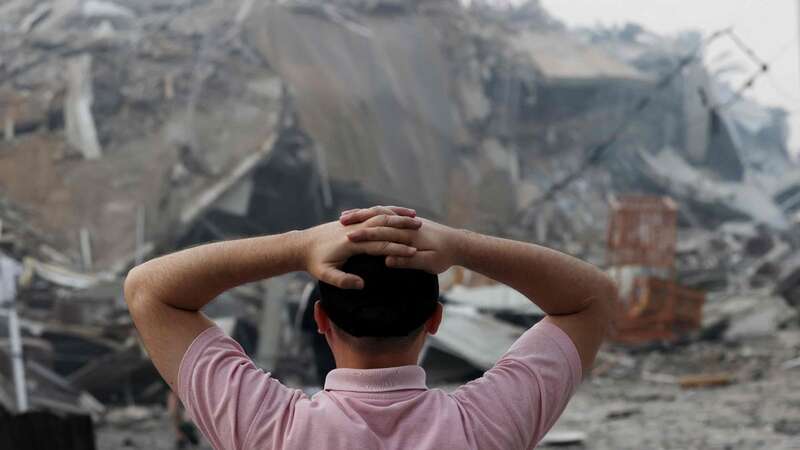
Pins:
<point x="577" y="297"/>
<point x="165" y="295"/>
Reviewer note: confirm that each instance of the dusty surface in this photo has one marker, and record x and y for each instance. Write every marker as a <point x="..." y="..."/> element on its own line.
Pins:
<point x="753" y="415"/>
<point x="151" y="434"/>
<point x="759" y="410"/>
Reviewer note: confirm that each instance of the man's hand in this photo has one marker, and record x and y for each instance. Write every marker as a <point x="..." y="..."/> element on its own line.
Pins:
<point x="436" y="244"/>
<point x="328" y="247"/>
<point x="352" y="216"/>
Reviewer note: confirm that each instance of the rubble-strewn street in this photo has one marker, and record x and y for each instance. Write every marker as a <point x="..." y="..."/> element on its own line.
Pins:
<point x="131" y="129"/>
<point x="642" y="407"/>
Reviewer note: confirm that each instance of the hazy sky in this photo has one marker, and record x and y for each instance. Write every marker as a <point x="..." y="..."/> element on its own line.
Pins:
<point x="768" y="27"/>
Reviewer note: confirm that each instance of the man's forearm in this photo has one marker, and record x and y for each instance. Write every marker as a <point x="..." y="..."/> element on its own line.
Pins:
<point x="557" y="283"/>
<point x="191" y="278"/>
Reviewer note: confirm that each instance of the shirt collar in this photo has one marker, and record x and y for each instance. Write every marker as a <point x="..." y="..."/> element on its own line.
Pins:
<point x="376" y="380"/>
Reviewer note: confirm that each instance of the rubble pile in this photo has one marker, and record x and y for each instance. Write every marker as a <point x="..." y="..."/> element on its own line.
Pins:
<point x="114" y="116"/>
<point x="131" y="129"/>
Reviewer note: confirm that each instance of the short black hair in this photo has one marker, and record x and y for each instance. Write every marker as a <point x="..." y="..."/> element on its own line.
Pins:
<point x="393" y="303"/>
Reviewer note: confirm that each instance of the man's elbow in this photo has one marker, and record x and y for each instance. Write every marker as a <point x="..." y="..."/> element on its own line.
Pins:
<point x="133" y="287"/>
<point x="607" y="300"/>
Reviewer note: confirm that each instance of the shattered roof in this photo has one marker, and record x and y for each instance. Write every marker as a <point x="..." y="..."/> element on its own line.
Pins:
<point x="374" y="93"/>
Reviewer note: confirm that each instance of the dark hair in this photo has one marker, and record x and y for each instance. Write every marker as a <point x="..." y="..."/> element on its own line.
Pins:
<point x="393" y="303"/>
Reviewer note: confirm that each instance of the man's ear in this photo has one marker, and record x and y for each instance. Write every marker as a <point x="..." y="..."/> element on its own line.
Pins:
<point x="432" y="325"/>
<point x="323" y="322"/>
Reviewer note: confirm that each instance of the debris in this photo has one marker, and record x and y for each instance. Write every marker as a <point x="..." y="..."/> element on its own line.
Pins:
<point x="658" y="378"/>
<point x="642" y="239"/>
<point x="563" y="437"/>
<point x="561" y="58"/>
<point x="495" y="298"/>
<point x="791" y="364"/>
<point x="106" y="9"/>
<point x="213" y="193"/>
<point x="748" y="316"/>
<point x="788" y="285"/>
<point x="719" y="199"/>
<point x="37" y="15"/>
<point x="705" y="380"/>
<point x="58" y="275"/>
<point x="642" y="231"/>
<point x="129" y="415"/>
<point x="80" y="126"/>
<point x="607" y="362"/>
<point x="220" y="126"/>
<point x="787" y="426"/>
<point x="622" y="412"/>
<point x="477" y="338"/>
<point x="10" y="270"/>
<point x="763" y="322"/>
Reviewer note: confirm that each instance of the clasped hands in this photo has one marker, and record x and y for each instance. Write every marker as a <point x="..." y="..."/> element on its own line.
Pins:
<point x="406" y="241"/>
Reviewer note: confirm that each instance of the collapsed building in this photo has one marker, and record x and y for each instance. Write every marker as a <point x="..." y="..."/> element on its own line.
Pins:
<point x="131" y="130"/>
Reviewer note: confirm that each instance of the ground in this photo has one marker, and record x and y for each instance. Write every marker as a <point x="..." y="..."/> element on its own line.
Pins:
<point x="762" y="414"/>
<point x="634" y="405"/>
<point x="760" y="409"/>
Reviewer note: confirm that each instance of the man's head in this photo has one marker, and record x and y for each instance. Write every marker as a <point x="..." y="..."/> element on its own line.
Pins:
<point x="386" y="320"/>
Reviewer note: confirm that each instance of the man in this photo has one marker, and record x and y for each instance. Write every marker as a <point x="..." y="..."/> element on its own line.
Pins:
<point x="376" y="398"/>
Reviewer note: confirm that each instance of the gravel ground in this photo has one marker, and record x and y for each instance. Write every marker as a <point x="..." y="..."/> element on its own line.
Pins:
<point x="760" y="409"/>
<point x="619" y="414"/>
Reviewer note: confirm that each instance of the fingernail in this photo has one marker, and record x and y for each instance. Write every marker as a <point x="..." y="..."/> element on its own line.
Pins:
<point x="390" y="261"/>
<point x="359" y="284"/>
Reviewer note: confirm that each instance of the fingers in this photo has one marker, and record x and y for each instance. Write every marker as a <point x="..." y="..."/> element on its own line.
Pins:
<point x="388" y="234"/>
<point x="342" y="280"/>
<point x="352" y="216"/>
<point x="361" y="215"/>
<point x="424" y="260"/>
<point x="385" y="248"/>
<point x="411" y="223"/>
<point x="401" y="211"/>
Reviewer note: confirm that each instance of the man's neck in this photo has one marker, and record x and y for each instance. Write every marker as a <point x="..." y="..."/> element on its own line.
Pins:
<point x="352" y="360"/>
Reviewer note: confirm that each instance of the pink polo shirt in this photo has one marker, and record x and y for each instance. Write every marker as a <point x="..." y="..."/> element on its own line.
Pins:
<point x="238" y="406"/>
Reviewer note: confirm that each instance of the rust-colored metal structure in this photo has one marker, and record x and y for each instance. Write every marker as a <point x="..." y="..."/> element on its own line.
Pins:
<point x="658" y="310"/>
<point x="641" y="237"/>
<point x="642" y="232"/>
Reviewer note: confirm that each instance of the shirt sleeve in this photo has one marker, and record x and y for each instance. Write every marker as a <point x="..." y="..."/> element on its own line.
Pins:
<point x="226" y="394"/>
<point x="518" y="400"/>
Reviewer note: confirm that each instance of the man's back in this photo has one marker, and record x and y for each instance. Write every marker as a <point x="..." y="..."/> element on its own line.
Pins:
<point x="240" y="407"/>
<point x="379" y="291"/>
